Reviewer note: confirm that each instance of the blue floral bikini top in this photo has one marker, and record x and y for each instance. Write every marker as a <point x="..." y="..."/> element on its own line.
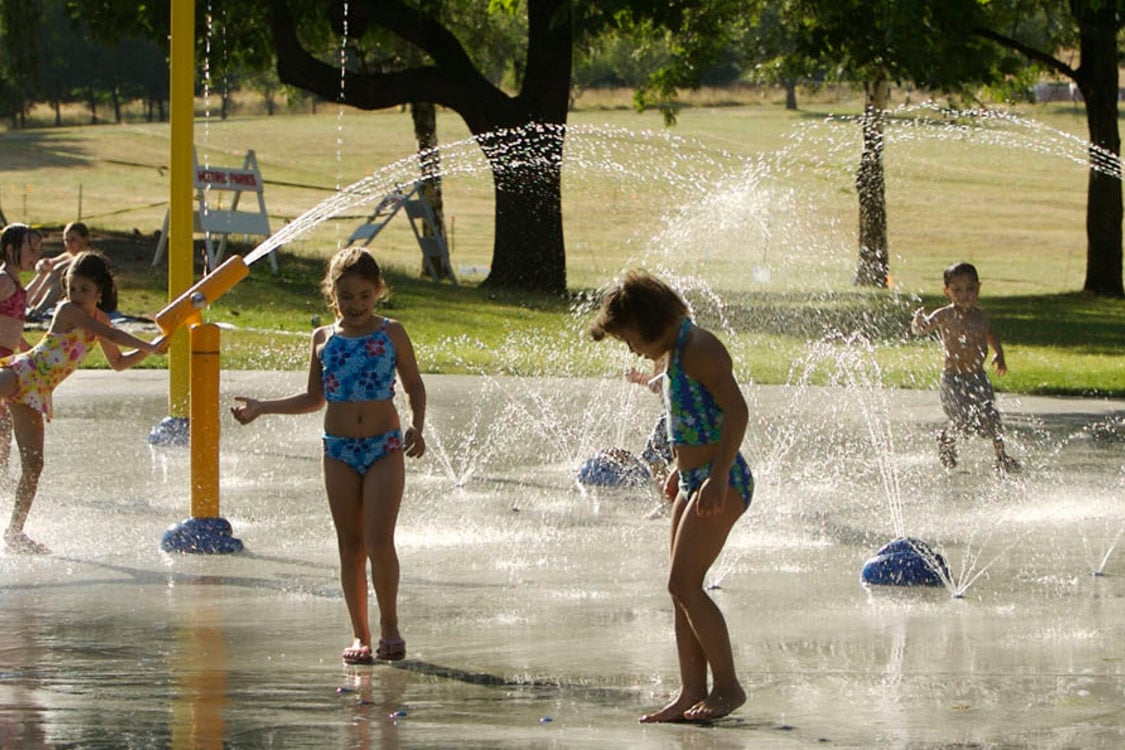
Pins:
<point x="358" y="368"/>
<point x="693" y="416"/>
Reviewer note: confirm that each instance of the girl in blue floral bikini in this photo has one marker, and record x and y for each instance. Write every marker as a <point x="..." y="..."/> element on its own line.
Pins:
<point x="712" y="484"/>
<point x="352" y="368"/>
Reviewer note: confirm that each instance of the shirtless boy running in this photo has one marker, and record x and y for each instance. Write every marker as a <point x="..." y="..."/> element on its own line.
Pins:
<point x="966" y="392"/>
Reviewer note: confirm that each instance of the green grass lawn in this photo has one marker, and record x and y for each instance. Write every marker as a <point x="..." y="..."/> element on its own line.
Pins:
<point x="731" y="193"/>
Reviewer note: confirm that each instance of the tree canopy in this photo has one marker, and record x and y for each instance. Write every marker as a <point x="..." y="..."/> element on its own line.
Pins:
<point x="507" y="67"/>
<point x="1041" y="31"/>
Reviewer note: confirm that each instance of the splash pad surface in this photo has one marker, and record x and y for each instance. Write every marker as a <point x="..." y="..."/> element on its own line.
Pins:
<point x="534" y="609"/>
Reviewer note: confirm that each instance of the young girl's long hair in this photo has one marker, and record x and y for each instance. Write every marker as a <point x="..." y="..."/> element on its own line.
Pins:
<point x="11" y="241"/>
<point x="641" y="301"/>
<point x="351" y="260"/>
<point x="92" y="265"/>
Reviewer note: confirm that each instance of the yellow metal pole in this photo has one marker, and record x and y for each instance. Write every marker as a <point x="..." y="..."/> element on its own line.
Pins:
<point x="181" y="112"/>
<point x="193" y="366"/>
<point x="205" y="421"/>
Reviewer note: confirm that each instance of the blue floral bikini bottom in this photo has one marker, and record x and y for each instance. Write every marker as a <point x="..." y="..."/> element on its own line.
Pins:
<point x="360" y="453"/>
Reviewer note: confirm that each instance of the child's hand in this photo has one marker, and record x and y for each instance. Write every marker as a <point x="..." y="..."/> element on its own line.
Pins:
<point x="999" y="365"/>
<point x="648" y="380"/>
<point x="413" y="444"/>
<point x="635" y="376"/>
<point x="672" y="485"/>
<point x="250" y="410"/>
<point x="710" y="497"/>
<point x="161" y="344"/>
<point x="919" y="320"/>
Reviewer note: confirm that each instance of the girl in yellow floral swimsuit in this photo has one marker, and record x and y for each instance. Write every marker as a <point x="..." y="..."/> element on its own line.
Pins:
<point x="27" y="380"/>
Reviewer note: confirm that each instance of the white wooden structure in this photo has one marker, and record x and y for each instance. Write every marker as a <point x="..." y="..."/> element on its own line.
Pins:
<point x="210" y="218"/>
<point x="435" y="253"/>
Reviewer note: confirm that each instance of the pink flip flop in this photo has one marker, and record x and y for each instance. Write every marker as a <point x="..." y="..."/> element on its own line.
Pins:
<point x="360" y="655"/>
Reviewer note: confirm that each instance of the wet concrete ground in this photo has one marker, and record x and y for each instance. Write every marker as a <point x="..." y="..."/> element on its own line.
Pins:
<point x="534" y="609"/>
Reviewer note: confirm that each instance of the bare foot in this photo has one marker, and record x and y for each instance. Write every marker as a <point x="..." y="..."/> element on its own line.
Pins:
<point x="20" y="543"/>
<point x="674" y="711"/>
<point x="1005" y="465"/>
<point x="716" y="705"/>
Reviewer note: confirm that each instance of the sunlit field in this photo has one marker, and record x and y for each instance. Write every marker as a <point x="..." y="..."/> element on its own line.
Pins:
<point x="1013" y="204"/>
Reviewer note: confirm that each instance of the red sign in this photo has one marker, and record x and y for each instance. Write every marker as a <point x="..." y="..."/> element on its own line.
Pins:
<point x="229" y="179"/>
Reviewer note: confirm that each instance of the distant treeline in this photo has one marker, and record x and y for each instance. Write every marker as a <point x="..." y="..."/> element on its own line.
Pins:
<point x="50" y="59"/>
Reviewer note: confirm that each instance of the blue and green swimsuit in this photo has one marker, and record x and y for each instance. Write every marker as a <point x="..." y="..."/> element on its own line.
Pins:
<point x="695" y="419"/>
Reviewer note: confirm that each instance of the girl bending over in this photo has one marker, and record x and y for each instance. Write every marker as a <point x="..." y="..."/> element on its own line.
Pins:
<point x="712" y="485"/>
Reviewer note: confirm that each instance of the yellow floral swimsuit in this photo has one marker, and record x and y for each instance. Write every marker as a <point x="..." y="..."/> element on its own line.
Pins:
<point x="48" y="363"/>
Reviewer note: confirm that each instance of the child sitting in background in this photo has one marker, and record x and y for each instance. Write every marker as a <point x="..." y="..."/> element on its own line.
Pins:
<point x="45" y="288"/>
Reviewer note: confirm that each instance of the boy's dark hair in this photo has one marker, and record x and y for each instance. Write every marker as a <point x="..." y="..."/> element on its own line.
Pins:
<point x="642" y="302"/>
<point x="92" y="265"/>
<point x="11" y="241"/>
<point x="960" y="269"/>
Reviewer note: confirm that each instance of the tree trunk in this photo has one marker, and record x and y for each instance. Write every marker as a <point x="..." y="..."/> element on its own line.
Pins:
<point x="424" y="116"/>
<point x="528" y="251"/>
<point x="790" y="93"/>
<point x="1098" y="81"/>
<point x="520" y="135"/>
<point x="870" y="184"/>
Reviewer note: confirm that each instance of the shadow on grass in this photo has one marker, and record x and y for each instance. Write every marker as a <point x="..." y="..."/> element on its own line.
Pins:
<point x="1075" y="320"/>
<point x="1076" y="325"/>
<point x="877" y="317"/>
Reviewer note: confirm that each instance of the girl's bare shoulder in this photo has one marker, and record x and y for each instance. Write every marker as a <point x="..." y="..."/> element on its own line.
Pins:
<point x="703" y="341"/>
<point x="396" y="330"/>
<point x="704" y="352"/>
<point x="67" y="317"/>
